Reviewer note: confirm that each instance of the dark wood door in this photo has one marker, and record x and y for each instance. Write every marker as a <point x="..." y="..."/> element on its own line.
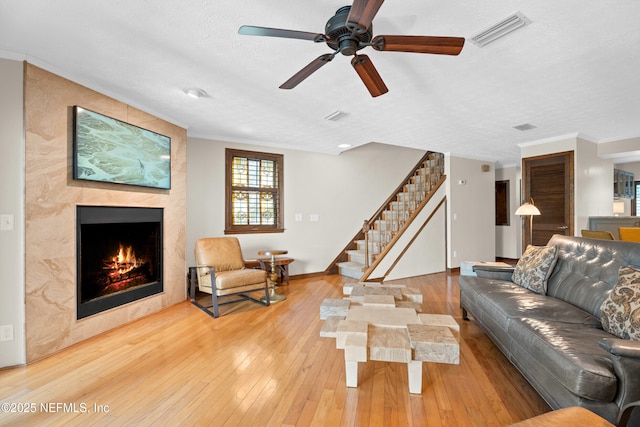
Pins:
<point x="549" y="181"/>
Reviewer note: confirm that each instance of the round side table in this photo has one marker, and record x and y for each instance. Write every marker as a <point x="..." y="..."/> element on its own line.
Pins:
<point x="273" y="277"/>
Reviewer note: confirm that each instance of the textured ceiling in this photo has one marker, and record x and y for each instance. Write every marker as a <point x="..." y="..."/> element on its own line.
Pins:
<point x="573" y="70"/>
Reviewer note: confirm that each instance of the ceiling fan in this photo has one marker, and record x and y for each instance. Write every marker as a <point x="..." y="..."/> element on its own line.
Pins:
<point x="350" y="30"/>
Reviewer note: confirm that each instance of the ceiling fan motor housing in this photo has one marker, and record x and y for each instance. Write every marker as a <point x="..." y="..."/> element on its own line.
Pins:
<point x="341" y="38"/>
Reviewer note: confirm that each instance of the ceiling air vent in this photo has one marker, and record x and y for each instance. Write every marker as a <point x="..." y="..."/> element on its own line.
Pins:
<point x="336" y="115"/>
<point x="501" y="29"/>
<point x="525" y="126"/>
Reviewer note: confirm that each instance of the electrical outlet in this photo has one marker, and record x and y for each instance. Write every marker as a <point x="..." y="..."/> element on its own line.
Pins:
<point x="6" y="333"/>
<point x="455" y="254"/>
<point x="6" y="222"/>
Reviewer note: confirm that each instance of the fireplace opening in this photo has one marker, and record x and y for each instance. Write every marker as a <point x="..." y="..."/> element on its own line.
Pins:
<point x="119" y="257"/>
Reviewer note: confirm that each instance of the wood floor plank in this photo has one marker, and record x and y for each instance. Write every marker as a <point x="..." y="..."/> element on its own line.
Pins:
<point x="265" y="366"/>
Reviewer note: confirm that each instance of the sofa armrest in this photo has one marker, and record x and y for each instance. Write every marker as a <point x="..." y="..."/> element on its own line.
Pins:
<point x="621" y="348"/>
<point x="493" y="272"/>
<point x="625" y="355"/>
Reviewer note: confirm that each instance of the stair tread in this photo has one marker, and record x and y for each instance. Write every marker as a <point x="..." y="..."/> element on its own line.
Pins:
<point x="350" y="264"/>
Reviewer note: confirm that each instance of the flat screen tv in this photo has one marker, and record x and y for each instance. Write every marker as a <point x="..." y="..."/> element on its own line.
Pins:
<point x="109" y="150"/>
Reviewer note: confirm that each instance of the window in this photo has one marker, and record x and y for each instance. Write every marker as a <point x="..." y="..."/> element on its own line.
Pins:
<point x="253" y="192"/>
<point x="635" y="207"/>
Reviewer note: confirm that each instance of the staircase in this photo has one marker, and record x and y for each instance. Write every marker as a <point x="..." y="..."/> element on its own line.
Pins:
<point x="378" y="235"/>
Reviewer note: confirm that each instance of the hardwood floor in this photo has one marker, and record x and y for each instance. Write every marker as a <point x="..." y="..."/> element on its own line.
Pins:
<point x="263" y="366"/>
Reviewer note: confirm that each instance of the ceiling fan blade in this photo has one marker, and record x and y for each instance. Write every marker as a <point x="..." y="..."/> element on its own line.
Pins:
<point x="307" y="71"/>
<point x="419" y="44"/>
<point x="250" y="30"/>
<point x="362" y="13"/>
<point x="369" y="75"/>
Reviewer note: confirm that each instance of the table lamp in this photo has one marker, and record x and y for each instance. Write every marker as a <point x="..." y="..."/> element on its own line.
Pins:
<point x="529" y="209"/>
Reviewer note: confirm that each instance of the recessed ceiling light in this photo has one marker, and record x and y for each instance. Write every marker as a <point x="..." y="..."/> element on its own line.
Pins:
<point x="525" y="126"/>
<point x="344" y="145"/>
<point x="336" y="115"/>
<point x="195" y="92"/>
<point x="500" y="29"/>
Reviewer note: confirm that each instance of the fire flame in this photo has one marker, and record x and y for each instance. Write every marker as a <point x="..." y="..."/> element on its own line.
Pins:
<point x="125" y="260"/>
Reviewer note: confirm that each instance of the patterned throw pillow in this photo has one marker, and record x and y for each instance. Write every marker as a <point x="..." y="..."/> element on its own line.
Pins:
<point x="535" y="267"/>
<point x="620" y="311"/>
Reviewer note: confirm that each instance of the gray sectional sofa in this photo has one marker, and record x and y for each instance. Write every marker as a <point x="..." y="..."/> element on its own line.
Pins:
<point x="556" y="340"/>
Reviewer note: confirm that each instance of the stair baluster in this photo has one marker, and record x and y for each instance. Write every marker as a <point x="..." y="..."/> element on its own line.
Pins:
<point x="365" y="230"/>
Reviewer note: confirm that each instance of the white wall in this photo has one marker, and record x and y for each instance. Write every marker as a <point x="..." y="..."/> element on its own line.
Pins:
<point x="633" y="167"/>
<point x="343" y="190"/>
<point x="471" y="202"/>
<point x="593" y="185"/>
<point x="508" y="237"/>
<point x="12" y="146"/>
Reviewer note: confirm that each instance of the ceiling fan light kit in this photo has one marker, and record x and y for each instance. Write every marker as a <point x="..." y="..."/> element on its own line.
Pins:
<point x="351" y="30"/>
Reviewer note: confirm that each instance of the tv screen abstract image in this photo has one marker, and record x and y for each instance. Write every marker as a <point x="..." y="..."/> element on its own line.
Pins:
<point x="109" y="150"/>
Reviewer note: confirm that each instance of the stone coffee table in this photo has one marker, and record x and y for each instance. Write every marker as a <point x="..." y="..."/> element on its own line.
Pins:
<point x="384" y="323"/>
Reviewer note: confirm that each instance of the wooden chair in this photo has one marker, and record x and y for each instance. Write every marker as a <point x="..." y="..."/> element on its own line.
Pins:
<point x="630" y="234"/>
<point x="221" y="272"/>
<point x="592" y="234"/>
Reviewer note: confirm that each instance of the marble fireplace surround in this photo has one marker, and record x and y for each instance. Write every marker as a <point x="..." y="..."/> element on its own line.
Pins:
<point x="51" y="197"/>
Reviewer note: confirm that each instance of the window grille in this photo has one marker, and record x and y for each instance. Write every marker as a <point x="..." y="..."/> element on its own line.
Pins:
<point x="254" y="192"/>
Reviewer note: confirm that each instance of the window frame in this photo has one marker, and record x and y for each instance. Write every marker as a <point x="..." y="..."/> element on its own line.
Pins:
<point x="278" y="159"/>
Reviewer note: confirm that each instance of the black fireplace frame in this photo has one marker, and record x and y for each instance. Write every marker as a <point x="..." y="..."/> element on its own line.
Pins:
<point x="109" y="215"/>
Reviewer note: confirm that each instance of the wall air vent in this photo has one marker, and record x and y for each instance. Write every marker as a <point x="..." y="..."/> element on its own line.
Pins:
<point x="500" y="29"/>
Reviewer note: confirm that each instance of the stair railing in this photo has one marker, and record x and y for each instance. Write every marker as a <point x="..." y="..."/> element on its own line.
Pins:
<point x="400" y="206"/>
<point x="386" y="222"/>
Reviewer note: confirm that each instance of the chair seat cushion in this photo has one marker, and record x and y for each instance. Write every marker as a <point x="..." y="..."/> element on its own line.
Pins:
<point x="245" y="278"/>
<point x="237" y="278"/>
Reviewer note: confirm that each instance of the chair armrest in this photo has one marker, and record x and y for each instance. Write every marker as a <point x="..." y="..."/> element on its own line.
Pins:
<point x="493" y="271"/>
<point x="192" y="276"/>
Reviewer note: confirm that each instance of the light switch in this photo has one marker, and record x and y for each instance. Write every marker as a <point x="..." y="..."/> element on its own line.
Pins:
<point x="6" y="222"/>
<point x="298" y="217"/>
<point x="314" y="217"/>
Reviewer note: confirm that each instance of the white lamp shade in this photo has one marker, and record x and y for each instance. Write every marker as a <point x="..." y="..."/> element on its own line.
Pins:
<point x="618" y="207"/>
<point x="527" y="209"/>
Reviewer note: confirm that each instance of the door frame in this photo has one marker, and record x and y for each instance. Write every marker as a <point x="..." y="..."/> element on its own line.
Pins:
<point x="566" y="157"/>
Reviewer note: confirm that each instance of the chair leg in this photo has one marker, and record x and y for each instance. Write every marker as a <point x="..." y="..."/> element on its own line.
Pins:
<point x="192" y="284"/>
<point x="267" y="295"/>
<point x="214" y="299"/>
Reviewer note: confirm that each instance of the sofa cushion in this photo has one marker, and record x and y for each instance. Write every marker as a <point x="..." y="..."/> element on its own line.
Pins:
<point x="535" y="306"/>
<point x="535" y="267"/>
<point x="569" y="353"/>
<point x="620" y="311"/>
